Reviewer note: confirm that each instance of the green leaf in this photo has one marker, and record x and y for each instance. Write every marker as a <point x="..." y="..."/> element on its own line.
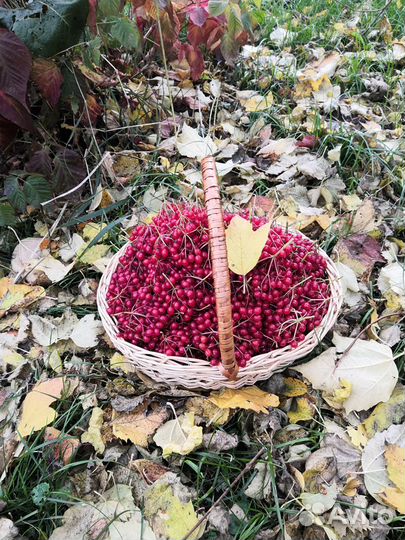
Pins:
<point x="125" y="33"/>
<point x="7" y="215"/>
<point x="47" y="28"/>
<point x="40" y="493"/>
<point x="37" y="190"/>
<point x="217" y="7"/>
<point x="14" y="194"/>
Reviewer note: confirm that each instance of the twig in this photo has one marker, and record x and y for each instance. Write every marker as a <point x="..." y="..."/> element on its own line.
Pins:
<point x="78" y="185"/>
<point x="247" y="468"/>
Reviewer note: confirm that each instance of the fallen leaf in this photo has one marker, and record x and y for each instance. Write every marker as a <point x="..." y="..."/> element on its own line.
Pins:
<point x="395" y="459"/>
<point x="36" y="412"/>
<point x="293" y="387"/>
<point x="149" y="470"/>
<point x="114" y="517"/>
<point x="278" y="148"/>
<point x="260" y="486"/>
<point x="169" y="510"/>
<point x="251" y="398"/>
<point x="17" y="297"/>
<point x="179" y="436"/>
<point x="138" y="425"/>
<point x="118" y="361"/>
<point x="368" y="366"/>
<point x="364" y="218"/>
<point x="301" y="410"/>
<point x="93" y="433"/>
<point x="48" y="77"/>
<point x="220" y="441"/>
<point x="244" y="245"/>
<point x="66" y="446"/>
<point x="85" y="332"/>
<point x="360" y="252"/>
<point x="350" y="285"/>
<point x="395" y="498"/>
<point x="319" y="503"/>
<point x="190" y="144"/>
<point x="386" y="414"/>
<point x="252" y="101"/>
<point x="398" y="50"/>
<point x="207" y="410"/>
<point x="391" y="281"/>
<point x="374" y="465"/>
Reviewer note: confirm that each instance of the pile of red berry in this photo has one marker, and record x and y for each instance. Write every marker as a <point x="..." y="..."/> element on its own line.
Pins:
<point x="162" y="297"/>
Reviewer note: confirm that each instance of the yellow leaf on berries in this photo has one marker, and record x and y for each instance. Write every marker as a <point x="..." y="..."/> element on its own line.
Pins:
<point x="395" y="458"/>
<point x="244" y="245"/>
<point x="251" y="398"/>
<point x="36" y="412"/>
<point x="17" y="297"/>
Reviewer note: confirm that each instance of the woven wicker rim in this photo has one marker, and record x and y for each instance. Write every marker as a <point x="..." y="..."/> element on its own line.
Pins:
<point x="197" y="372"/>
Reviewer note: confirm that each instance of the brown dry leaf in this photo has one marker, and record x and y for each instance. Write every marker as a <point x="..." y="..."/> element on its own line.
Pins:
<point x="302" y="410"/>
<point x="66" y="448"/>
<point x="278" y="148"/>
<point x="244" y="245"/>
<point x="36" y="412"/>
<point x="138" y="425"/>
<point x="351" y="486"/>
<point x="150" y="471"/>
<point x="364" y="218"/>
<point x="204" y="408"/>
<point x="251" y="398"/>
<point x="17" y="297"/>
<point x="395" y="458"/>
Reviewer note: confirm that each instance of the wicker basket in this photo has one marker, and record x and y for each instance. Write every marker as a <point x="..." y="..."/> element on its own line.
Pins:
<point x="198" y="373"/>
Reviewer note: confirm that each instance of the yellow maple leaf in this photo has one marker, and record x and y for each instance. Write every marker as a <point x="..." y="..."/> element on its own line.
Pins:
<point x="251" y="398"/>
<point x="395" y="458"/>
<point x="36" y="412"/>
<point x="244" y="245"/>
<point x="137" y="426"/>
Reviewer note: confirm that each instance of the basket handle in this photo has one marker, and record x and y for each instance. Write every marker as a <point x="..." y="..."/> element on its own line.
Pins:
<point x="220" y="271"/>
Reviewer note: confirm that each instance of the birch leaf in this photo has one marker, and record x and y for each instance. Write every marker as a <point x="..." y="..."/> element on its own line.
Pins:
<point x="36" y="411"/>
<point x="179" y="436"/>
<point x="251" y="398"/>
<point x="244" y="245"/>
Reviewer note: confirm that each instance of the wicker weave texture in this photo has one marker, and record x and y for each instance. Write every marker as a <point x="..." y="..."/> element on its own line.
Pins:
<point x="198" y="373"/>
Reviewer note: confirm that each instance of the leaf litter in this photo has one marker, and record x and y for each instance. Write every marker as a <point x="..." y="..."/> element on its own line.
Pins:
<point x="314" y="133"/>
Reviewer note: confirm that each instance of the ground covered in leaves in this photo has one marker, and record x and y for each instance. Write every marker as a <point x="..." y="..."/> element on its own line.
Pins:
<point x="308" y="126"/>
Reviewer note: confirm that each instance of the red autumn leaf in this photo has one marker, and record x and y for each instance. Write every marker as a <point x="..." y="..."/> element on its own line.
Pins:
<point x="198" y="16"/>
<point x="40" y="162"/>
<point x="309" y="141"/>
<point x="92" y="112"/>
<point x="92" y="17"/>
<point x="48" y="77"/>
<point x="15" y="112"/>
<point x="7" y="132"/>
<point x="15" y="66"/>
<point x="195" y="60"/>
<point x="209" y="35"/>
